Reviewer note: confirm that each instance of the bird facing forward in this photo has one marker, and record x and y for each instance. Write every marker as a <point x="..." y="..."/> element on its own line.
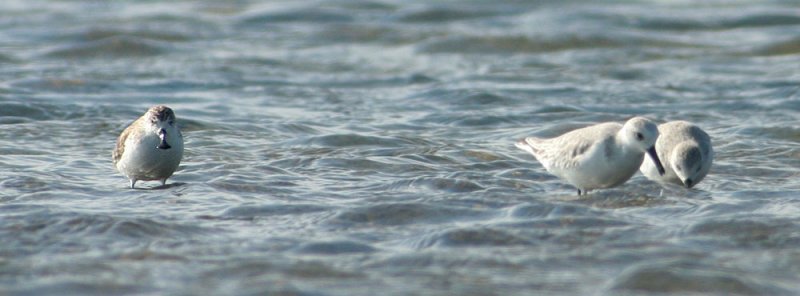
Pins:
<point x="150" y="148"/>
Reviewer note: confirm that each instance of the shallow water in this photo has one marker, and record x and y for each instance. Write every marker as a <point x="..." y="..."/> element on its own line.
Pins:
<point x="366" y="147"/>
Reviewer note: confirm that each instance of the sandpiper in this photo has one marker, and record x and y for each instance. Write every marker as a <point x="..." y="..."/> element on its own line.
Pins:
<point x="686" y="151"/>
<point x="150" y="148"/>
<point x="599" y="156"/>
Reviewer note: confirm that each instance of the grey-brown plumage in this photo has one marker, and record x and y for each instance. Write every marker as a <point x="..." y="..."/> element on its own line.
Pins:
<point x="150" y="148"/>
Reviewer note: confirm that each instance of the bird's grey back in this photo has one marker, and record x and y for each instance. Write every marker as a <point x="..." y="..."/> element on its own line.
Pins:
<point x="675" y="132"/>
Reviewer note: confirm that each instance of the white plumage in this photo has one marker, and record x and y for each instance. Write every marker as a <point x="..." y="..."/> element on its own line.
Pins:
<point x="600" y="156"/>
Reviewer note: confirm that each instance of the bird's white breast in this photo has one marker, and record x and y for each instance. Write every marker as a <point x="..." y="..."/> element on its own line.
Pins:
<point x="143" y="161"/>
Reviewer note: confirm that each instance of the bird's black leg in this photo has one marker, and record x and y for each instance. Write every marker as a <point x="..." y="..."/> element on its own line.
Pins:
<point x="579" y="192"/>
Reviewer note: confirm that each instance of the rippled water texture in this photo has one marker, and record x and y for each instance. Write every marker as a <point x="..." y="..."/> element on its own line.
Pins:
<point x="366" y="147"/>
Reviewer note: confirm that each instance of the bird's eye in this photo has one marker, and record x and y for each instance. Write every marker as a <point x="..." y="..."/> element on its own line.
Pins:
<point x="679" y="167"/>
<point x="639" y="136"/>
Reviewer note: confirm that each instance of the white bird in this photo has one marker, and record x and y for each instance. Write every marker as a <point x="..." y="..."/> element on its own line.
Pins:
<point x="686" y="150"/>
<point x="150" y="148"/>
<point x="599" y="156"/>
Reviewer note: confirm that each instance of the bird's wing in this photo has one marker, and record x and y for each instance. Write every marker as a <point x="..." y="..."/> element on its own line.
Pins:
<point x="555" y="153"/>
<point x="566" y="151"/>
<point x="119" y="149"/>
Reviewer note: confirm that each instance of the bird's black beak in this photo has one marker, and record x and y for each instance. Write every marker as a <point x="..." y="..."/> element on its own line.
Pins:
<point x="654" y="157"/>
<point x="688" y="183"/>
<point x="162" y="133"/>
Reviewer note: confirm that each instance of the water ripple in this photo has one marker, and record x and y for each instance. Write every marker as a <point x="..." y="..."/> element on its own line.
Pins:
<point x="401" y="214"/>
<point x="110" y="47"/>
<point x="472" y="237"/>
<point x="685" y="277"/>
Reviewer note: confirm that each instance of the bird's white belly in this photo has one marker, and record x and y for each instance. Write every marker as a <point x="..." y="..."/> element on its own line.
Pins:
<point x="598" y="172"/>
<point x="143" y="161"/>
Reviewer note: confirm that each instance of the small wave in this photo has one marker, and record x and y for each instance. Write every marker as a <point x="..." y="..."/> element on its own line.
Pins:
<point x="102" y="34"/>
<point x="379" y="34"/>
<point x="780" y="133"/>
<point x="483" y="121"/>
<point x="69" y="284"/>
<point x="433" y="14"/>
<point x="378" y="82"/>
<point x="552" y="210"/>
<point x="24" y="110"/>
<point x="144" y="228"/>
<point x="357" y="165"/>
<point x="350" y="140"/>
<point x="268" y="267"/>
<point x="146" y="254"/>
<point x="24" y="184"/>
<point x="295" y="128"/>
<point x="514" y="44"/>
<point x="113" y="47"/>
<point x="424" y="259"/>
<point x="4" y="58"/>
<point x="100" y="116"/>
<point x="247" y="184"/>
<point x="450" y="185"/>
<point x="559" y="109"/>
<point x="301" y="15"/>
<point x="468" y="97"/>
<point x="446" y="184"/>
<point x="464" y="99"/>
<point x="567" y="225"/>
<point x="749" y="233"/>
<point x="403" y="214"/>
<point x="334" y="248"/>
<point x="50" y="227"/>
<point x="618" y="198"/>
<point x="251" y="211"/>
<point x="472" y="237"/>
<point x="790" y="47"/>
<point x="672" y="23"/>
<point x="62" y="85"/>
<point x="689" y="278"/>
